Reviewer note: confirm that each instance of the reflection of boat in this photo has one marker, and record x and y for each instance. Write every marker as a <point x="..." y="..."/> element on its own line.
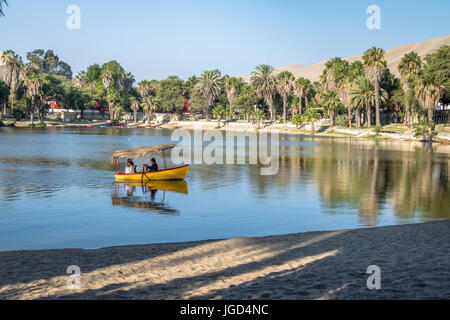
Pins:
<point x="179" y="186"/>
<point x="130" y="196"/>
<point x="178" y="173"/>
<point x="173" y="127"/>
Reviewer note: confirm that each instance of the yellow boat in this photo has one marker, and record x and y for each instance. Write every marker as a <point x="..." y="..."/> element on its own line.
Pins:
<point x="177" y="173"/>
<point x="173" y="127"/>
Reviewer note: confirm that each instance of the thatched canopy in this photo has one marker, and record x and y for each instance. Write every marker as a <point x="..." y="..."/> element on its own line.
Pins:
<point x="143" y="152"/>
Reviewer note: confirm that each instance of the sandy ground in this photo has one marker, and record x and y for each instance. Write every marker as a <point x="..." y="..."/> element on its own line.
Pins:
<point x="414" y="262"/>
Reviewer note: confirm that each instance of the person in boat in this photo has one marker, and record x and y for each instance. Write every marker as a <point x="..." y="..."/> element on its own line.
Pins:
<point x="130" y="168"/>
<point x="153" y="167"/>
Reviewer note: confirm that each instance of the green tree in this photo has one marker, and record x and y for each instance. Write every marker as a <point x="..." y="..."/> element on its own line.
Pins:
<point x="169" y="95"/>
<point x="429" y="93"/>
<point x="209" y="86"/>
<point x="13" y="63"/>
<point x="49" y="63"/>
<point x="4" y="94"/>
<point x="233" y="86"/>
<point x="302" y="87"/>
<point x="375" y="67"/>
<point x="311" y="115"/>
<point x="263" y="81"/>
<point x="331" y="103"/>
<point x="409" y="68"/>
<point x="285" y="81"/>
<point x="34" y="81"/>
<point x="218" y="113"/>
<point x="149" y="107"/>
<point x="259" y="115"/>
<point x="297" y="120"/>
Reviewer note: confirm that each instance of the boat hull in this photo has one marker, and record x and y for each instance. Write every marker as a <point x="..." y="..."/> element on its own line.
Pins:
<point x="178" y="173"/>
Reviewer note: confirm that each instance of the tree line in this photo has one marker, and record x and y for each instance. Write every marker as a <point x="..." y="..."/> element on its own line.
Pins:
<point x="362" y="93"/>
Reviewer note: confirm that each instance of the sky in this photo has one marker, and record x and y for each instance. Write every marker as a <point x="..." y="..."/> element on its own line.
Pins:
<point x="156" y="39"/>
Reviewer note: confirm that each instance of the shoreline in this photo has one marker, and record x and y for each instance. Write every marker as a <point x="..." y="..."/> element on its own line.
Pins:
<point x="414" y="260"/>
<point x="391" y="132"/>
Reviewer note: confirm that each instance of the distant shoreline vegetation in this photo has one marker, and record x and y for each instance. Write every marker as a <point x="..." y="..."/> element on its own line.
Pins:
<point x="359" y="94"/>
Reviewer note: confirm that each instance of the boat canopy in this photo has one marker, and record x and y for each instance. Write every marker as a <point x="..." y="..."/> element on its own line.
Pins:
<point x="143" y="152"/>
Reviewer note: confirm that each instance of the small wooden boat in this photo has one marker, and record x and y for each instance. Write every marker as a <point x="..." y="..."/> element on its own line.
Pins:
<point x="177" y="173"/>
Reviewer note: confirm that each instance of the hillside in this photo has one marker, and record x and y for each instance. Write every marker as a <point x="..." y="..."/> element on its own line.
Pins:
<point x="393" y="57"/>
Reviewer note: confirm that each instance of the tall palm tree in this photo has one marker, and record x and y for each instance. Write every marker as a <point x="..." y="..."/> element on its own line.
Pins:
<point x="34" y="82"/>
<point x="409" y="68"/>
<point x="149" y="106"/>
<point x="232" y="88"/>
<point x="428" y="92"/>
<point x="209" y="86"/>
<point x="375" y="67"/>
<point x="363" y="95"/>
<point x="13" y="63"/>
<point x="264" y="82"/>
<point x="302" y="87"/>
<point x="285" y="82"/>
<point x="135" y="106"/>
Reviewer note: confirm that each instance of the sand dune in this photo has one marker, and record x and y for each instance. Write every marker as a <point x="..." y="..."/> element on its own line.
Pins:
<point x="414" y="262"/>
<point x="393" y="57"/>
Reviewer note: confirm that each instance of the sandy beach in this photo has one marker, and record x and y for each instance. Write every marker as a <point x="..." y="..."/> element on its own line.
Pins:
<point x="414" y="262"/>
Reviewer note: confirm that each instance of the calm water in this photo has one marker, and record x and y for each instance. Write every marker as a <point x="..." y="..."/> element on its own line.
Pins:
<point x="57" y="190"/>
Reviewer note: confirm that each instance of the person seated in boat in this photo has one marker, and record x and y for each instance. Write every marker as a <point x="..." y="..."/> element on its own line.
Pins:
<point x="153" y="167"/>
<point x="130" y="168"/>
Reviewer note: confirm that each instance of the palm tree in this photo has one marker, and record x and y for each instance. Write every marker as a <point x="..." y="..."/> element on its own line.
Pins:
<point x="264" y="82"/>
<point x="34" y="82"/>
<point x="232" y="87"/>
<point x="135" y="106"/>
<point x="409" y="68"/>
<point x="331" y="103"/>
<point x="209" y="86"/>
<point x="285" y="82"/>
<point x="375" y="66"/>
<point x="112" y="96"/>
<point x="311" y="115"/>
<point x="4" y="94"/>
<point x="13" y="63"/>
<point x="428" y="92"/>
<point x="302" y="87"/>
<point x="363" y="95"/>
<point x="149" y="106"/>
<point x="218" y="113"/>
<point x="260" y="116"/>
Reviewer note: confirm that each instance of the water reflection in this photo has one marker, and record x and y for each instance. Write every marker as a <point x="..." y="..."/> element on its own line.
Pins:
<point x="144" y="196"/>
<point x="57" y="187"/>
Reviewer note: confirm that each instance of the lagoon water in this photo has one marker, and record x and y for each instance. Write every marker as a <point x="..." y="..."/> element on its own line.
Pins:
<point x="57" y="190"/>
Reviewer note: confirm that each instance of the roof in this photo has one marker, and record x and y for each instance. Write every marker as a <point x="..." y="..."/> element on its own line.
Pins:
<point x="143" y="152"/>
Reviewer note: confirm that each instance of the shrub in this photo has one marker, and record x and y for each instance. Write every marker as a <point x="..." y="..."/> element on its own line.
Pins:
<point x="377" y="129"/>
<point x="423" y="129"/>
<point x="341" y="120"/>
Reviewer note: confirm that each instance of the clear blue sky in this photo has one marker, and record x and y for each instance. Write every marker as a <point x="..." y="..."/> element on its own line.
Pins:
<point x="155" y="39"/>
